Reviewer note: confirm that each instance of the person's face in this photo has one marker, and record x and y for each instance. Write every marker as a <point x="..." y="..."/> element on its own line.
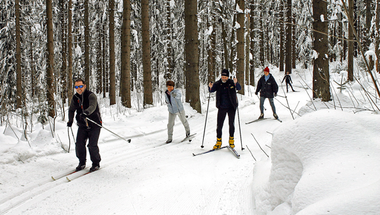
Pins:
<point x="79" y="87"/>
<point x="266" y="73"/>
<point x="170" y="88"/>
<point x="224" y="79"/>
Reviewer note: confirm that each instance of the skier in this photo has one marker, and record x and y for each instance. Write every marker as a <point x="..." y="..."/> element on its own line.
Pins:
<point x="175" y="107"/>
<point x="226" y="102"/>
<point x="84" y="102"/>
<point x="288" y="81"/>
<point x="268" y="88"/>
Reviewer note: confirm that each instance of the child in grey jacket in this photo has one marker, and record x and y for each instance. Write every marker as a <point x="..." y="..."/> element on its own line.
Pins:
<point x="175" y="107"/>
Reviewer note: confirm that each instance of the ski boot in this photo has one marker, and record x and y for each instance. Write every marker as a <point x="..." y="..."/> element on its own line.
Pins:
<point x="80" y="166"/>
<point x="261" y="116"/>
<point x="218" y="143"/>
<point x="275" y="116"/>
<point x="94" y="167"/>
<point x="232" y="142"/>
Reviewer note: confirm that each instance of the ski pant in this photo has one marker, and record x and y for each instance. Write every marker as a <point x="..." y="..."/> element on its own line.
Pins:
<point x="92" y="135"/>
<point x="231" y="121"/>
<point x="171" y="122"/>
<point x="288" y="83"/>
<point x="262" y="99"/>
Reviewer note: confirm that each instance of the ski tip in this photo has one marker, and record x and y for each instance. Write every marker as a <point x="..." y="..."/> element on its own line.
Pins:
<point x="68" y="179"/>
<point x="53" y="178"/>
<point x="193" y="154"/>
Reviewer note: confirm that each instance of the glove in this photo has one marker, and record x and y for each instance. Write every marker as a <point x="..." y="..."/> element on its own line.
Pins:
<point x="256" y="93"/>
<point x="82" y="116"/>
<point x="69" y="123"/>
<point x="275" y="94"/>
<point x="86" y="112"/>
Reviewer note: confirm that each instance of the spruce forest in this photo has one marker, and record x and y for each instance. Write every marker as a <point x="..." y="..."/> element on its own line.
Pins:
<point x="126" y="50"/>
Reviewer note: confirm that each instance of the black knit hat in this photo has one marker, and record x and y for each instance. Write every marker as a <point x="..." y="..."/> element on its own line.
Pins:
<point x="225" y="72"/>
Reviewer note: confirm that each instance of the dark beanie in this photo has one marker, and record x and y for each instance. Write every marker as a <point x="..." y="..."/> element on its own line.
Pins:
<point x="225" y="72"/>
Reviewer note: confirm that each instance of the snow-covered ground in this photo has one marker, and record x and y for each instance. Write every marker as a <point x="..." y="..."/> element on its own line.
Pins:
<point x="325" y="161"/>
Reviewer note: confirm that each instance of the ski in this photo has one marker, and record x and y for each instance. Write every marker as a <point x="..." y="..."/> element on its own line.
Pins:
<point x="202" y="153"/>
<point x="64" y="175"/>
<point x="256" y="120"/>
<point x="234" y="152"/>
<point x="189" y="138"/>
<point x="77" y="176"/>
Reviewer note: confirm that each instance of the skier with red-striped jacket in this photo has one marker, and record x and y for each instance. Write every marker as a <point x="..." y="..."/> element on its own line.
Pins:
<point x="85" y="104"/>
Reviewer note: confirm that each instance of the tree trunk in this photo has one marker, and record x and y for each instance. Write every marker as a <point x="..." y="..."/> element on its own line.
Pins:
<point x="112" y="78"/>
<point x="126" y="55"/>
<point x="70" y="52"/>
<point x="86" y="45"/>
<point x="18" y="55"/>
<point x="321" y="77"/>
<point x="63" y="52"/>
<point x="192" y="55"/>
<point x="282" y="27"/>
<point x="293" y="44"/>
<point x="350" y="43"/>
<point x="50" y="61"/>
<point x="261" y="32"/>
<point x="99" y="56"/>
<point x="252" y="45"/>
<point x="288" y="40"/>
<point x="211" y="48"/>
<point x="377" y="39"/>
<point x="368" y="17"/>
<point x="225" y="49"/>
<point x="240" y="46"/>
<point x="148" y="94"/>
<point x="170" y="67"/>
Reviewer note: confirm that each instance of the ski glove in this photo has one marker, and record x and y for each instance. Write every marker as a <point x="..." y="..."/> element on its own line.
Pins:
<point x="82" y="116"/>
<point x="69" y="124"/>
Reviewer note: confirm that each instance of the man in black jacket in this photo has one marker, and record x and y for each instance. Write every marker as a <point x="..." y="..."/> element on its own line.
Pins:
<point x="268" y="88"/>
<point x="84" y="102"/>
<point x="226" y="102"/>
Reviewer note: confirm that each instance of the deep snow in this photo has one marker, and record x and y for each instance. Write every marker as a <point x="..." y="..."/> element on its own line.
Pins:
<point x="323" y="162"/>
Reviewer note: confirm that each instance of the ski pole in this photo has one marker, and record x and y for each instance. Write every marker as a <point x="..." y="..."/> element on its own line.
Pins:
<point x="241" y="139"/>
<point x="204" y="130"/>
<point x="128" y="140"/>
<point x="68" y="134"/>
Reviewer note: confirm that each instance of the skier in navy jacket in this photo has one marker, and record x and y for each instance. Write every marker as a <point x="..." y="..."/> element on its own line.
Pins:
<point x="268" y="88"/>
<point x="226" y="102"/>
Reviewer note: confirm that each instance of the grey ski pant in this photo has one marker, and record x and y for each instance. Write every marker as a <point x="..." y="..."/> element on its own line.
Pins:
<point x="171" y="122"/>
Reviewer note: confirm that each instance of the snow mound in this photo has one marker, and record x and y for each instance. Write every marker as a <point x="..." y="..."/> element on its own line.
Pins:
<point x="325" y="162"/>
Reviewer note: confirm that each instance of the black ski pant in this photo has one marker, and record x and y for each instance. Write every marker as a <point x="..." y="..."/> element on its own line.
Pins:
<point x="231" y="121"/>
<point x="92" y="135"/>
<point x="288" y="83"/>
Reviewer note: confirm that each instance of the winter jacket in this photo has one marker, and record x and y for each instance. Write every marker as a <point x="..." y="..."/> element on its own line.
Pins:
<point x="267" y="88"/>
<point x="287" y="79"/>
<point x="225" y="94"/>
<point x="173" y="101"/>
<point x="85" y="104"/>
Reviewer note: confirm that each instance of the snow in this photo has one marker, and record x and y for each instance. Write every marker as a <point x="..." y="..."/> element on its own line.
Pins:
<point x="324" y="161"/>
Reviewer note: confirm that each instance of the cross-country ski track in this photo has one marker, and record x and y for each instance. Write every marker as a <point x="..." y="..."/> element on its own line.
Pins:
<point x="147" y="176"/>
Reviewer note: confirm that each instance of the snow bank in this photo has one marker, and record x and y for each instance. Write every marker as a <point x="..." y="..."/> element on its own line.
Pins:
<point x="325" y="162"/>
